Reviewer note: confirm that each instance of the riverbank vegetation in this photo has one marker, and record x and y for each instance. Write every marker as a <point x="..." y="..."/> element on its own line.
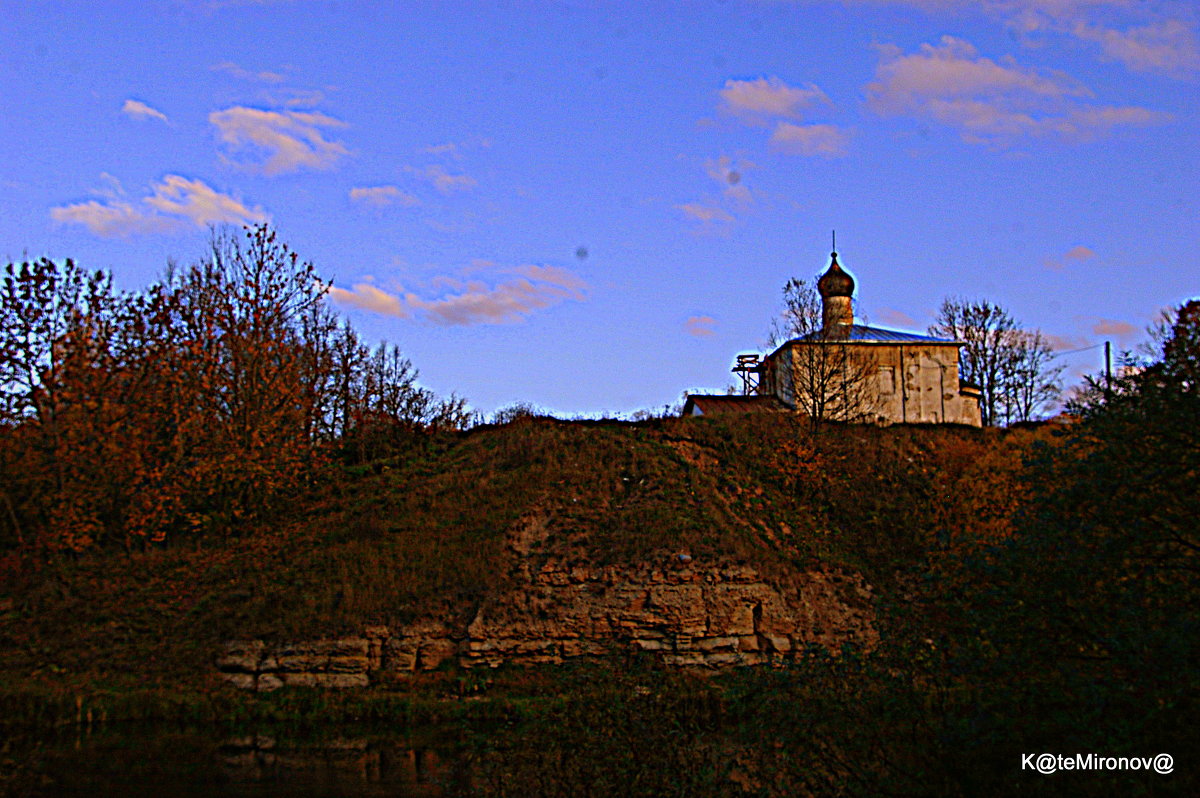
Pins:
<point x="193" y="464"/>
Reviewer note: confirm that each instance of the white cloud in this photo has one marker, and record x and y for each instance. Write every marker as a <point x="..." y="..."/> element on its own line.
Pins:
<point x="173" y="203"/>
<point x="195" y="201"/>
<point x="479" y="303"/>
<point x="113" y="219"/>
<point x="381" y="196"/>
<point x="139" y="110"/>
<point x="368" y="297"/>
<point x="764" y="101"/>
<point x="954" y="69"/>
<point x="277" y="142"/>
<point x="1080" y="252"/>
<point x="991" y="102"/>
<point x="759" y="100"/>
<point x="524" y="290"/>
<point x="828" y="141"/>
<point x="442" y="180"/>
<point x="700" y="326"/>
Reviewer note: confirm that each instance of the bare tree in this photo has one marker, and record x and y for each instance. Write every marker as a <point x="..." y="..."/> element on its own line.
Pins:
<point x="829" y="379"/>
<point x="1011" y="366"/>
<point x="801" y="315"/>
<point x="1033" y="383"/>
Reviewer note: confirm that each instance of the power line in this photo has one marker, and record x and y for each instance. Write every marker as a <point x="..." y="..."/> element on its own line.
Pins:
<point x="1074" y="351"/>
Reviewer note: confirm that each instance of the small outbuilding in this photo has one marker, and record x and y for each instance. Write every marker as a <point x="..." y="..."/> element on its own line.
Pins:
<point x="709" y="405"/>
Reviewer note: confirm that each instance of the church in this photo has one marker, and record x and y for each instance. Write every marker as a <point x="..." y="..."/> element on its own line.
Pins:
<point x="844" y="371"/>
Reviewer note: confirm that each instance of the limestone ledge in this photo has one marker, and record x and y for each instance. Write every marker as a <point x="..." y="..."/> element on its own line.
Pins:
<point x="687" y="616"/>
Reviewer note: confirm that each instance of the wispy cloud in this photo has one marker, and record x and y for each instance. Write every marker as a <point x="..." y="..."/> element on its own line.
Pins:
<point x="827" y="141"/>
<point x="1165" y="43"/>
<point x="172" y="204"/>
<point x="762" y="99"/>
<point x="897" y="318"/>
<point x="139" y="110"/>
<point x="241" y="73"/>
<point x="729" y="173"/>
<point x="700" y="326"/>
<point x="1166" y="46"/>
<point x="443" y="181"/>
<point x="277" y="142"/>
<point x="1054" y="8"/>
<point x="519" y="292"/>
<point x="456" y="149"/>
<point x="1078" y="253"/>
<point x="382" y="196"/>
<point x="714" y="213"/>
<point x="992" y="102"/>
<point x="705" y="213"/>
<point x="1115" y="328"/>
<point x="295" y="98"/>
<point x="1067" y="343"/>
<point x="449" y="148"/>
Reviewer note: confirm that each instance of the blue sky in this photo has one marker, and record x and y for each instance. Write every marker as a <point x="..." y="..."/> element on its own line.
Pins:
<point x="593" y="206"/>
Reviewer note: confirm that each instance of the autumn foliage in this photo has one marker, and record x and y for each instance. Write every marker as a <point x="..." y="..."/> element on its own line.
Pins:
<point x="134" y="418"/>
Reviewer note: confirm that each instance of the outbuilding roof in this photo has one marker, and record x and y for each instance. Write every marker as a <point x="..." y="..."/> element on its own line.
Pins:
<point x="713" y="405"/>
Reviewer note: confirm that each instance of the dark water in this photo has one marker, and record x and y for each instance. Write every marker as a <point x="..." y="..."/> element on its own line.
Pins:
<point x="172" y="761"/>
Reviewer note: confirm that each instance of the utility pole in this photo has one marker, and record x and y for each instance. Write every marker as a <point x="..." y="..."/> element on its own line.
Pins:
<point x="1107" y="369"/>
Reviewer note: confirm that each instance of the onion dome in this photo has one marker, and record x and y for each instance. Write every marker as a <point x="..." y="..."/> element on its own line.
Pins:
<point x="835" y="281"/>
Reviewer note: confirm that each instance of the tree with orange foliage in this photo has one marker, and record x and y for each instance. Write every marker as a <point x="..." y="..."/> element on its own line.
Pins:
<point x="131" y="418"/>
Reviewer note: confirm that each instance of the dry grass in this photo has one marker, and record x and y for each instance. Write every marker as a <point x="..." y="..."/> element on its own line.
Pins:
<point x="428" y="530"/>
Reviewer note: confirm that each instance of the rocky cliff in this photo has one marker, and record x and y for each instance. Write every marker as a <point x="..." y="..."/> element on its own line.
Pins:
<point x="686" y="613"/>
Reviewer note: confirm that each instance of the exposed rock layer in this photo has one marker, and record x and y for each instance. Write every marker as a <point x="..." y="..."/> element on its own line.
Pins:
<point x="686" y="615"/>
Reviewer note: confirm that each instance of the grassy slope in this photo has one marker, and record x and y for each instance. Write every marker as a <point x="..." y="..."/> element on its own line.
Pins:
<point x="425" y="532"/>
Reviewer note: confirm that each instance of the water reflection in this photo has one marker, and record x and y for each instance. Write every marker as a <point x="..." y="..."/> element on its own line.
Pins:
<point x="344" y="762"/>
<point x="135" y="760"/>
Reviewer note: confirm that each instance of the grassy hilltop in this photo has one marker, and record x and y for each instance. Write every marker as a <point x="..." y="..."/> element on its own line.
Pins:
<point x="425" y="530"/>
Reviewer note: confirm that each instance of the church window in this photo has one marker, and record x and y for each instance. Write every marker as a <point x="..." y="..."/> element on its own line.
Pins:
<point x="887" y="379"/>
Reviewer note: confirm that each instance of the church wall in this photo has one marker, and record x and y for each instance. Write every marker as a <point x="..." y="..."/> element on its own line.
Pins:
<point x="913" y="383"/>
<point x="785" y="388"/>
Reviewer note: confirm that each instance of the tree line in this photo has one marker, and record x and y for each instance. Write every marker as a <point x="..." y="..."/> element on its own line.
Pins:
<point x="131" y="418"/>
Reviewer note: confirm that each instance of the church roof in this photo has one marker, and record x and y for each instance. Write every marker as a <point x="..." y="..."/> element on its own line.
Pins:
<point x="862" y="333"/>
